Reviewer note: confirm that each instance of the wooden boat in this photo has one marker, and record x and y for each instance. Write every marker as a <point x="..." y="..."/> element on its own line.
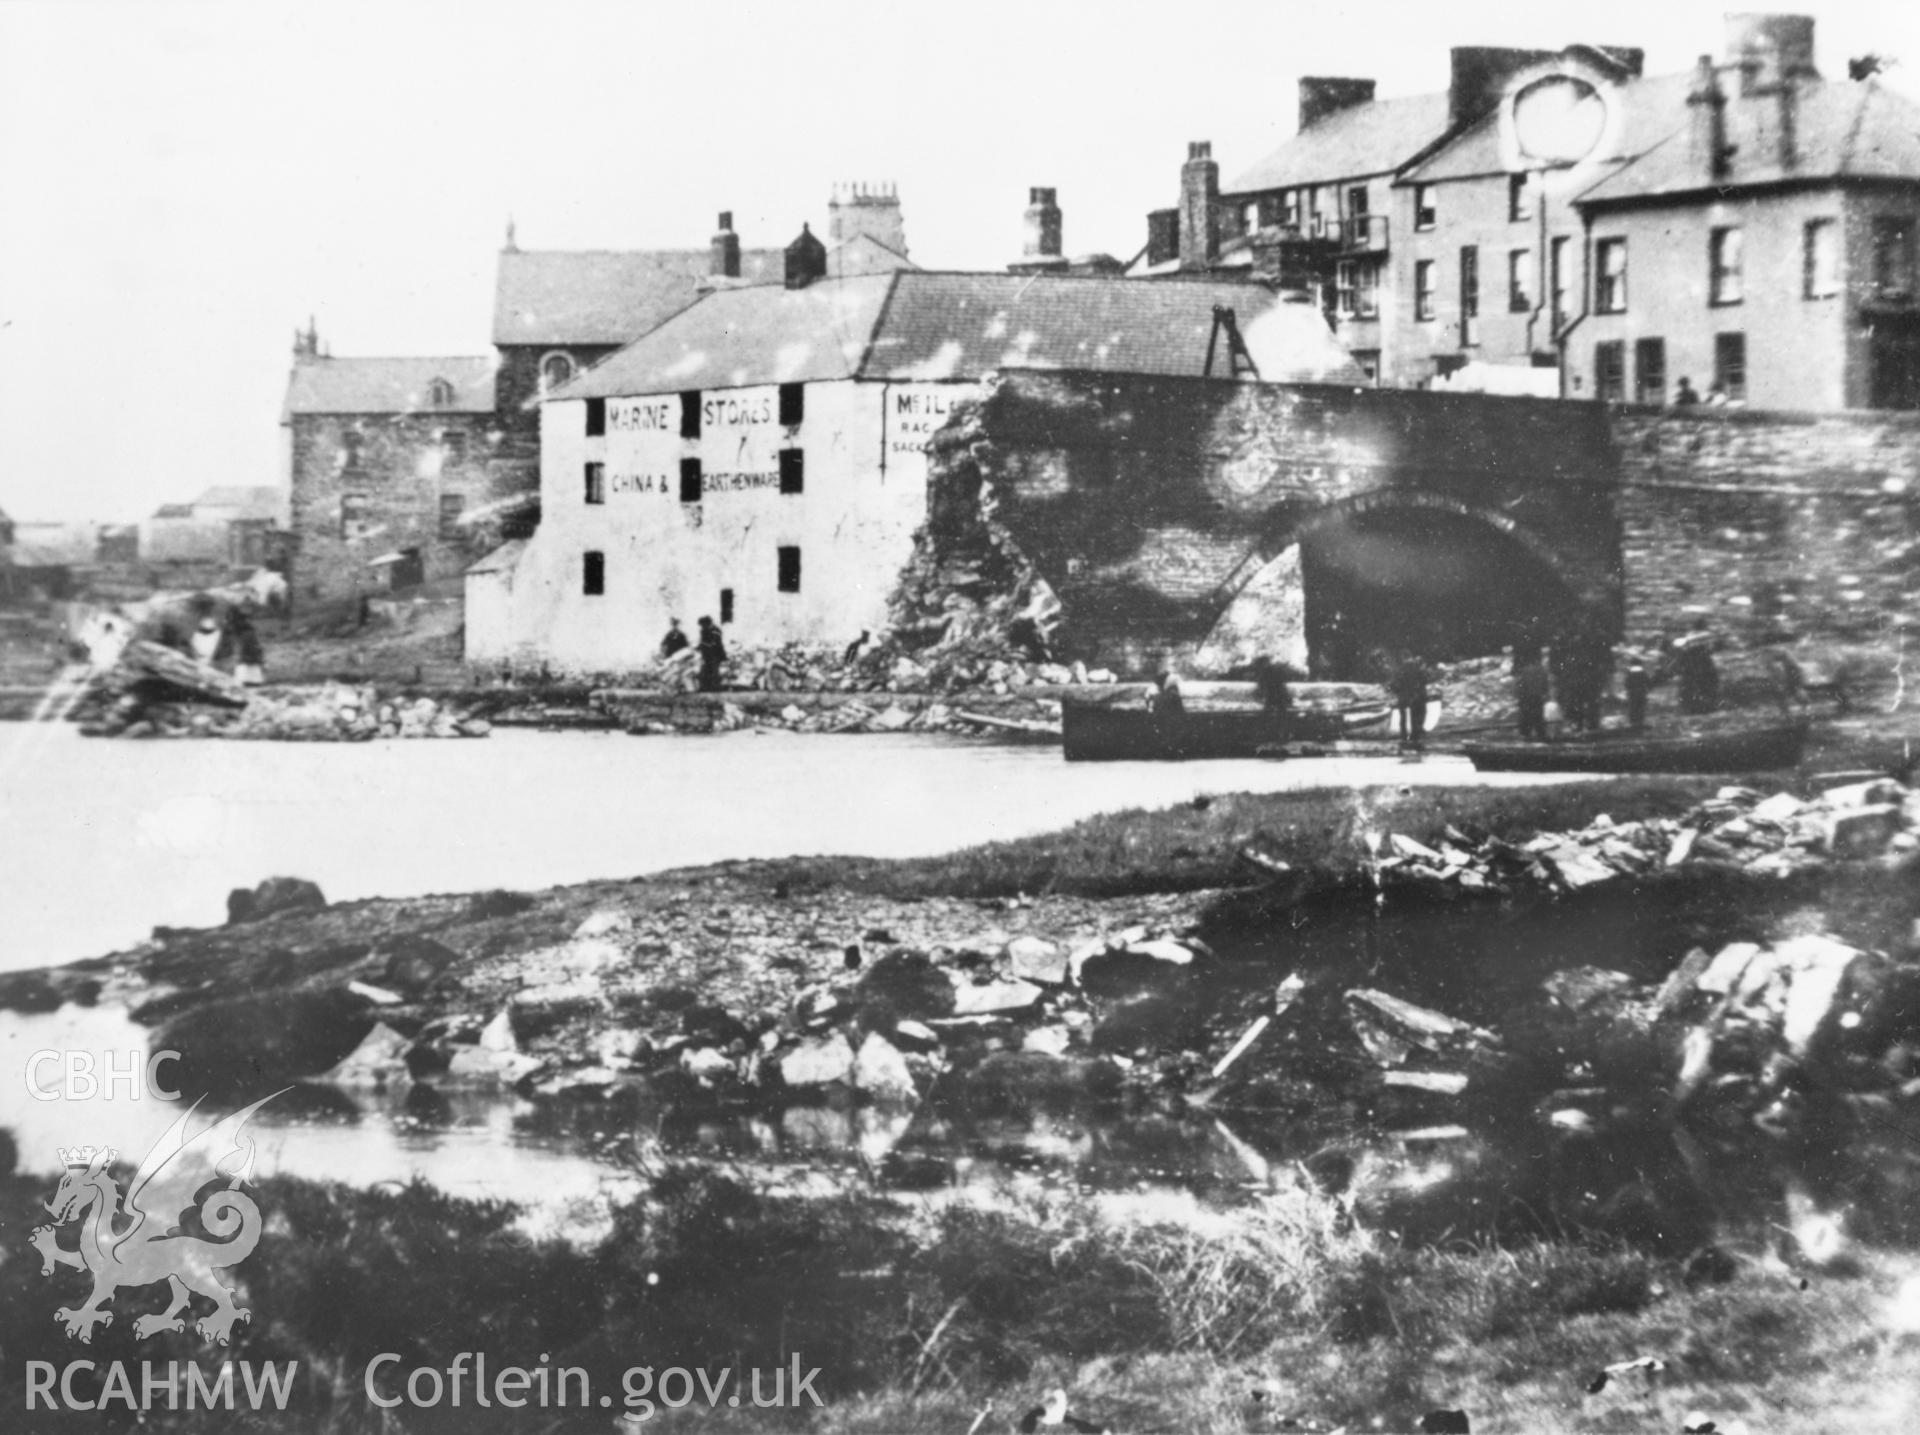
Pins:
<point x="1109" y="732"/>
<point x="1742" y="750"/>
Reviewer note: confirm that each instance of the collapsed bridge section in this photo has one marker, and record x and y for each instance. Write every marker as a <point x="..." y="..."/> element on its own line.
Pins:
<point x="1200" y="523"/>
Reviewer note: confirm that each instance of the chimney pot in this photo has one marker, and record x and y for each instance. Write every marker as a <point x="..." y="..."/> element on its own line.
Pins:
<point x="1043" y="225"/>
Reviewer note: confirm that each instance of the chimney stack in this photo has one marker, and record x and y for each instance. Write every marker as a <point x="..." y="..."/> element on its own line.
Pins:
<point x="726" y="249"/>
<point x="1199" y="207"/>
<point x="1322" y="95"/>
<point x="1043" y="225"/>
<point x="1163" y="236"/>
<point x="806" y="259"/>
<point x="306" y="344"/>
<point x="867" y="209"/>
<point x="1709" y="109"/>
<point x="1774" y="53"/>
<point x="1480" y="72"/>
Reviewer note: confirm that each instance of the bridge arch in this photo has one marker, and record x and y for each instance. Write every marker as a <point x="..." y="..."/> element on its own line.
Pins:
<point x="1390" y="570"/>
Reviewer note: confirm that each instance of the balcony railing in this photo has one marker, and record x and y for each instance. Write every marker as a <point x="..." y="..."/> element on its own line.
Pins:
<point x="1362" y="234"/>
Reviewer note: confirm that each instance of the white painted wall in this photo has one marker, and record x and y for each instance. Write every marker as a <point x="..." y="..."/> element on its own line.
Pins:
<point x="865" y="494"/>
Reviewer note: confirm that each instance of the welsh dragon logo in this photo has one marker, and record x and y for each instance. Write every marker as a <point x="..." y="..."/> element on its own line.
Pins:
<point x="143" y="1243"/>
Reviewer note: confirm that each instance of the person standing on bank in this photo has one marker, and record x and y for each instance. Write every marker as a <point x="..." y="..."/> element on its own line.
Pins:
<point x="1410" y="695"/>
<point x="675" y="641"/>
<point x="1531" y="689"/>
<point x="713" y="654"/>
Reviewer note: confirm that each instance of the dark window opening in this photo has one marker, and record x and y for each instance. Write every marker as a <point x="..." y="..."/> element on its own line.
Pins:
<point x="689" y="480"/>
<point x="690" y="414"/>
<point x="1650" y="371"/>
<point x="789" y="570"/>
<point x="793" y="403"/>
<point x="593" y="573"/>
<point x="793" y="470"/>
<point x="1423" y="289"/>
<point x="1610" y="282"/>
<point x="1519" y="281"/>
<point x="726" y="605"/>
<point x="555" y="370"/>
<point x="1557" y="260"/>
<point x="352" y="451"/>
<point x="1610" y="371"/>
<point x="1724" y="267"/>
<point x="452" y="505"/>
<point x="1519" y="198"/>
<point x="1357" y="201"/>
<point x="353" y="514"/>
<point x="1730" y="365"/>
<point x="1820" y="260"/>
<point x="596" y="483"/>
<point x="596" y="418"/>
<point x="1892" y="256"/>
<point x="453" y="447"/>
<point x="1469" y="295"/>
<point x="440" y="394"/>
<point x="1424" y="214"/>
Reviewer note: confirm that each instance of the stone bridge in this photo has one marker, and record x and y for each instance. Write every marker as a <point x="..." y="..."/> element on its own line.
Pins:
<point x="1201" y="521"/>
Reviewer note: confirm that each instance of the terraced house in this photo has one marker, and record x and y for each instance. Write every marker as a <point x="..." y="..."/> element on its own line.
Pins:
<point x="1748" y="224"/>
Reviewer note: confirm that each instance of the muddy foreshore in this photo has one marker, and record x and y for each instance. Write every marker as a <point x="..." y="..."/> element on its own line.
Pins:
<point x="1749" y="969"/>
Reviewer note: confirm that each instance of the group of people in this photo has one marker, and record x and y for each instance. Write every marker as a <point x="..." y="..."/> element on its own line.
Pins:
<point x="212" y="638"/>
<point x="710" y="651"/>
<point x="1686" y="396"/>
<point x="1561" y="688"/>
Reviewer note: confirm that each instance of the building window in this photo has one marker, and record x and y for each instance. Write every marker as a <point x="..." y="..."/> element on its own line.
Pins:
<point x="1423" y="289"/>
<point x="593" y="573"/>
<point x="1369" y="362"/>
<point x="793" y="470"/>
<point x="1557" y="265"/>
<point x="1892" y="256"/>
<point x="690" y="414"/>
<point x="555" y="369"/>
<point x="726" y="605"/>
<point x="793" y="403"/>
<point x="1469" y="295"/>
<point x="352" y="451"/>
<point x="1357" y="202"/>
<point x="1650" y="371"/>
<point x="1366" y="298"/>
<point x="1346" y="280"/>
<point x="1730" y="365"/>
<point x="1424" y="214"/>
<point x="1723" y="266"/>
<point x="1290" y="209"/>
<point x="690" y="480"/>
<point x="1610" y="284"/>
<point x="452" y="505"/>
<point x="596" y="418"/>
<point x="440" y="394"/>
<point x="453" y="447"/>
<point x="1519" y="198"/>
<point x="353" y="514"/>
<point x="1519" y="280"/>
<point x="1610" y="370"/>
<point x="1820" y="260"/>
<point x="596" y="483"/>
<point x="789" y="577"/>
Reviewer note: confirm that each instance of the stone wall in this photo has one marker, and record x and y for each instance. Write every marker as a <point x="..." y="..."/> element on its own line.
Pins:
<point x="1769" y="526"/>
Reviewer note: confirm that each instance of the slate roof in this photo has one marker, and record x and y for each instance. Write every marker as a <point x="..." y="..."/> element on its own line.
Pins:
<point x="252" y="500"/>
<point x="388" y="386"/>
<point x="918" y="325"/>
<point x="1843" y="129"/>
<point x="605" y="296"/>
<point x="1373" y="138"/>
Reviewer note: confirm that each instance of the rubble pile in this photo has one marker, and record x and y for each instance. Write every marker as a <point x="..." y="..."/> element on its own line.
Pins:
<point x="328" y="712"/>
<point x="1737" y="827"/>
<point x="988" y="1011"/>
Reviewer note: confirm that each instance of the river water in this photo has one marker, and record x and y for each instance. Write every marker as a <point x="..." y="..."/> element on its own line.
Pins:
<point x="102" y="840"/>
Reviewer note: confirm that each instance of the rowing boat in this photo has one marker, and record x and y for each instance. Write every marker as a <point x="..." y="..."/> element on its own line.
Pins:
<point x="1106" y="732"/>
<point x="1751" y="749"/>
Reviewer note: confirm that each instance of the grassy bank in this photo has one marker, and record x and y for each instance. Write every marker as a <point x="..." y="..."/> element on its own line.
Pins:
<point x="1196" y="845"/>
<point x="916" y="1317"/>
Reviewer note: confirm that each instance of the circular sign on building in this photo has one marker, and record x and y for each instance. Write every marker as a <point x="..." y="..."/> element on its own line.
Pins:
<point x="1562" y="118"/>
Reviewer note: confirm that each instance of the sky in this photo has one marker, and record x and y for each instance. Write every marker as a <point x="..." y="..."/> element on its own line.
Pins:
<point x="182" y="182"/>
